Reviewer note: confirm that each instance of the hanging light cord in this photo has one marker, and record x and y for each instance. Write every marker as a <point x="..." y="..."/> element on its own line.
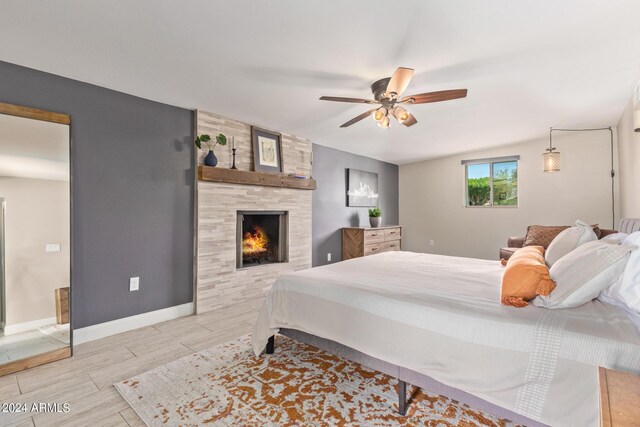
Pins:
<point x="613" y="173"/>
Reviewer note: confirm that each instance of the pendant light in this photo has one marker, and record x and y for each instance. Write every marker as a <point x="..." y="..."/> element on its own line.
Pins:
<point x="551" y="159"/>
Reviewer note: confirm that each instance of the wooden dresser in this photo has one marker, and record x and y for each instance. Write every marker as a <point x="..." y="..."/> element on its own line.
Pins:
<point x="363" y="241"/>
<point x="619" y="398"/>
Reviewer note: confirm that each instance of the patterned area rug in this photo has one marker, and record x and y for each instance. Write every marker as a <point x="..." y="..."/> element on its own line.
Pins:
<point x="297" y="385"/>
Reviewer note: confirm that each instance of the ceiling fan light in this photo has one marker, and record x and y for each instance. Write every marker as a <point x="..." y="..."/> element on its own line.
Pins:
<point x="384" y="123"/>
<point x="380" y="114"/>
<point x="401" y="114"/>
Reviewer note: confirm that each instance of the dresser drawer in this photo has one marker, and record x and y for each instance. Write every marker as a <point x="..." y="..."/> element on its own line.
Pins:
<point x="374" y="248"/>
<point x="391" y="234"/>
<point x="374" y="236"/>
<point x="393" y="245"/>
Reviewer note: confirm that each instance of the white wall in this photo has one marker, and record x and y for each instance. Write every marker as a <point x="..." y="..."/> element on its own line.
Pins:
<point x="37" y="213"/>
<point x="432" y="196"/>
<point x="629" y="145"/>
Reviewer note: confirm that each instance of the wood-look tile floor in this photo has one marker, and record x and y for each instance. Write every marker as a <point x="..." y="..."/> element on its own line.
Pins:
<point x="86" y="380"/>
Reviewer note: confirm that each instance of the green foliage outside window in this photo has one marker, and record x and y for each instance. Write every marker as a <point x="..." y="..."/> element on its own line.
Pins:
<point x="505" y="186"/>
<point x="503" y="176"/>
<point x="479" y="191"/>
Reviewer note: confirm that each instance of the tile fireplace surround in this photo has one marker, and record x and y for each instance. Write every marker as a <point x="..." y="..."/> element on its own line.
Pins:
<point x="218" y="282"/>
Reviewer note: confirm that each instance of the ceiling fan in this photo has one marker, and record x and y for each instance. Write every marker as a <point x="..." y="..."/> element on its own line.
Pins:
<point x="387" y="93"/>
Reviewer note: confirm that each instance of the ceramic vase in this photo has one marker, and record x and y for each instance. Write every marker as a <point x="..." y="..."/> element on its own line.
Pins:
<point x="211" y="159"/>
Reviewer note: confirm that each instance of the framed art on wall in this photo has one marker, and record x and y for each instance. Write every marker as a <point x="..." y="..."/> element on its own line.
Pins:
<point x="267" y="150"/>
<point x="362" y="188"/>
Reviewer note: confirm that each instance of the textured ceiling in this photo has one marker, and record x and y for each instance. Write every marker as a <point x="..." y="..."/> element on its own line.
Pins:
<point x="528" y="65"/>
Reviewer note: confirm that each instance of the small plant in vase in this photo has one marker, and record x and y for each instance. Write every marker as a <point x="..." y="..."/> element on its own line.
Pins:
<point x="210" y="159"/>
<point x="375" y="216"/>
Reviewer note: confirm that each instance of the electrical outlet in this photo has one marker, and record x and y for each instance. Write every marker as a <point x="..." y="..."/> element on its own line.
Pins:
<point x="134" y="284"/>
<point x="329" y="256"/>
<point x="432" y="242"/>
<point x="52" y="247"/>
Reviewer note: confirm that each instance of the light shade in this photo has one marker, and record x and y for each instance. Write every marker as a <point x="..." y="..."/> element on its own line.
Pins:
<point x="551" y="161"/>
<point x="401" y="114"/>
<point x="384" y="123"/>
<point x="380" y="114"/>
<point x="636" y="120"/>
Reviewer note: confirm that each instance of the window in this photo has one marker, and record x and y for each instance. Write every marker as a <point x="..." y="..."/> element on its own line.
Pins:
<point x="491" y="182"/>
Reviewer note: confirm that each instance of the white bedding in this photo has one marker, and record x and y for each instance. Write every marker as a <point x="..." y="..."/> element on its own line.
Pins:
<point x="441" y="316"/>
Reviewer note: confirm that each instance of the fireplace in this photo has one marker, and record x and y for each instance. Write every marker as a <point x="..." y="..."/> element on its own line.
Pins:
<point x="261" y="238"/>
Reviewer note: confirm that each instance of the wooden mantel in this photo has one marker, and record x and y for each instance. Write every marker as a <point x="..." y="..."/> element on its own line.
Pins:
<point x="234" y="176"/>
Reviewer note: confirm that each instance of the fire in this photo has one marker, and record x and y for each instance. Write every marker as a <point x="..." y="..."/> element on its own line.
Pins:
<point x="255" y="243"/>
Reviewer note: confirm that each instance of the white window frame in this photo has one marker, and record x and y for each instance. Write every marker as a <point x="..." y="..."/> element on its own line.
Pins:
<point x="490" y="161"/>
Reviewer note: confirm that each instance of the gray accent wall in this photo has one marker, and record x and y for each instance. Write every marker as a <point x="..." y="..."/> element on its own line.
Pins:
<point x="132" y="194"/>
<point x="330" y="210"/>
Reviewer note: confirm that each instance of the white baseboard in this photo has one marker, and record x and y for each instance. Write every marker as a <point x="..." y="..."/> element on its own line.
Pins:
<point x="101" y="330"/>
<point x="29" y="326"/>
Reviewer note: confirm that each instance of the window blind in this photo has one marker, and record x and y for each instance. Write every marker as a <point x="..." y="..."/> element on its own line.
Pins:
<point x="491" y="160"/>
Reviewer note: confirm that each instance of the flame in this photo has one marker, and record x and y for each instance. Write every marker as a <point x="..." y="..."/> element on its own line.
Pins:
<point x="255" y="243"/>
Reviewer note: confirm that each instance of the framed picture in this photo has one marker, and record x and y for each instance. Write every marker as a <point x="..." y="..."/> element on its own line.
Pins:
<point x="267" y="150"/>
<point x="362" y="189"/>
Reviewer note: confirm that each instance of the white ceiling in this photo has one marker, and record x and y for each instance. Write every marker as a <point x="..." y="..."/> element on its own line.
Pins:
<point x="528" y="65"/>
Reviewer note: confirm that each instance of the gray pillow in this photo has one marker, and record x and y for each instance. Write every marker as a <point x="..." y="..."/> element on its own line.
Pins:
<point x="568" y="240"/>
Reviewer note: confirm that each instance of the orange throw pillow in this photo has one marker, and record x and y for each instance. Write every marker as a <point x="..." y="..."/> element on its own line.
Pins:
<point x="525" y="276"/>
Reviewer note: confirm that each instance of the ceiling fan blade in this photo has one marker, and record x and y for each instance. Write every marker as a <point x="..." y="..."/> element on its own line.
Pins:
<point x="443" y="95"/>
<point x="358" y="118"/>
<point x="342" y="99"/>
<point x="399" y="81"/>
<point x="410" y="121"/>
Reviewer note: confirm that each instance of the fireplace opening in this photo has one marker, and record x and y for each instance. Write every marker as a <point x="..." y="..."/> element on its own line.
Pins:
<point x="261" y="238"/>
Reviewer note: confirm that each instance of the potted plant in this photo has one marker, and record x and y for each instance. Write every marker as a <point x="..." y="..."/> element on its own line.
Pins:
<point x="210" y="159"/>
<point x="375" y="216"/>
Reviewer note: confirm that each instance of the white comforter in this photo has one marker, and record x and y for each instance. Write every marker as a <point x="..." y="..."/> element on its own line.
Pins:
<point x="441" y="316"/>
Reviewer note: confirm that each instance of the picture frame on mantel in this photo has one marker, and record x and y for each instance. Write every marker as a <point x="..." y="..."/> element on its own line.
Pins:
<point x="267" y="150"/>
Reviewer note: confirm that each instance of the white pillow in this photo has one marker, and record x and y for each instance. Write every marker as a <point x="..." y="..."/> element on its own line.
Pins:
<point x="615" y="237"/>
<point x="584" y="272"/>
<point x="568" y="240"/>
<point x="626" y="289"/>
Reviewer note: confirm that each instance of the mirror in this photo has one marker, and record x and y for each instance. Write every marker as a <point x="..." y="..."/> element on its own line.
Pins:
<point x="35" y="238"/>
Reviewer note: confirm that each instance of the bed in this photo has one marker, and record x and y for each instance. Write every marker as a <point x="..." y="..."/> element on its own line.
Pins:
<point x="436" y="321"/>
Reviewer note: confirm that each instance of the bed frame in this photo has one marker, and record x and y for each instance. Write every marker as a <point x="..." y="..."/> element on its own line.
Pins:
<point x="403" y="375"/>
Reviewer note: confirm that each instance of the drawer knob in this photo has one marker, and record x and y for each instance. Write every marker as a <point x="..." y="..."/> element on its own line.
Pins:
<point x="374" y="249"/>
<point x="393" y="246"/>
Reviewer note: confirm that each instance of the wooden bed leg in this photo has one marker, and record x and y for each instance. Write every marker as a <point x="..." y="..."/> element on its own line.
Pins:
<point x="271" y="344"/>
<point x="402" y="397"/>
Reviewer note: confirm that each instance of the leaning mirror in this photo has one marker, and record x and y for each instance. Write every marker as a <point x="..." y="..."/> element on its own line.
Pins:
<point x="35" y="243"/>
